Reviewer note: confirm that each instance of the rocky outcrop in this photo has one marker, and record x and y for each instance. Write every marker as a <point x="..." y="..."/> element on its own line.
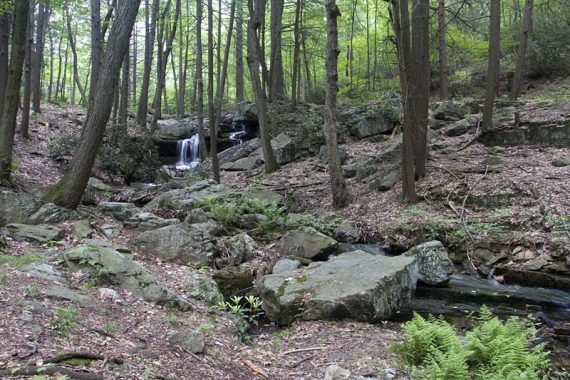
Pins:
<point x="187" y="198"/>
<point x="352" y="285"/>
<point x="236" y="250"/>
<point x="239" y="151"/>
<point x="234" y="280"/>
<point x="119" y="210"/>
<point x="308" y="243"/>
<point x="172" y="129"/>
<point x="450" y="111"/>
<point x="188" y="244"/>
<point x="146" y="221"/>
<point x="203" y="287"/>
<point x="16" y="207"/>
<point x="435" y="267"/>
<point x="109" y="265"/>
<point x="41" y="233"/>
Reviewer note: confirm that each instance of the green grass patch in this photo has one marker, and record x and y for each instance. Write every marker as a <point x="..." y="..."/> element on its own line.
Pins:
<point x="21" y="261"/>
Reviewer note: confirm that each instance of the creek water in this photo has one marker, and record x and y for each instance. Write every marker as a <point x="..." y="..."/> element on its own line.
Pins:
<point x="188" y="153"/>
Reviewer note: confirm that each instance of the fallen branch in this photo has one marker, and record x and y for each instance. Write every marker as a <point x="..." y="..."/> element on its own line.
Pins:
<point x="296" y="364"/>
<point x="80" y="355"/>
<point x="256" y="369"/>
<point x="303" y="350"/>
<point x="51" y="370"/>
<point x="277" y="188"/>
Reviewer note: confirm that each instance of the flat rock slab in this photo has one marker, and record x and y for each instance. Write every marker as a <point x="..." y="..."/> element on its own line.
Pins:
<point x="353" y="285"/>
<point x="308" y="243"/>
<point x="41" y="233"/>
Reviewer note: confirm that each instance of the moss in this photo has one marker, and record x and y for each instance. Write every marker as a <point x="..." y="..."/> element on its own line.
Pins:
<point x="78" y="362"/>
<point x="301" y="279"/>
<point x="21" y="261"/>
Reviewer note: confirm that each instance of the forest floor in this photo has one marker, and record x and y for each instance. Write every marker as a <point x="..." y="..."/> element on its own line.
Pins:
<point x="129" y="336"/>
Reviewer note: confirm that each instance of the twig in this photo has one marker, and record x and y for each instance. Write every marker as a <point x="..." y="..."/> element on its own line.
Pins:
<point x="294" y="365"/>
<point x="303" y="350"/>
<point x="256" y="369"/>
<point x="276" y="188"/>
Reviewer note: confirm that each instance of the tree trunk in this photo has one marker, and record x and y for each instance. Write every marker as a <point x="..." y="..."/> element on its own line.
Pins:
<point x="51" y="64"/>
<point x="421" y="70"/>
<point x="224" y="73"/>
<point x="276" y="76"/>
<point x="442" y="48"/>
<point x="124" y="94"/>
<point x="296" y="53"/>
<point x="338" y="185"/>
<point x="5" y="26"/>
<point x="199" y="81"/>
<point x="76" y="78"/>
<point x="521" y="56"/>
<point x="493" y="65"/>
<point x="96" y="47"/>
<point x="69" y="190"/>
<point x="25" y="122"/>
<point x="142" y="109"/>
<point x="64" y="79"/>
<point x="38" y="60"/>
<point x="253" y="49"/>
<point x="368" y="46"/>
<point x="351" y="46"/>
<point x="134" y="66"/>
<point x="375" y="64"/>
<point x="211" y="112"/>
<point x="12" y="94"/>
<point x="239" y="53"/>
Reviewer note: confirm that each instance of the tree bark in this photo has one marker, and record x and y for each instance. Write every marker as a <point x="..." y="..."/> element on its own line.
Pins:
<point x="224" y="73"/>
<point x="253" y="53"/>
<point x="338" y="185"/>
<point x="5" y="26"/>
<point x="25" y="121"/>
<point x="142" y="109"/>
<point x="69" y="190"/>
<point x="199" y="81"/>
<point x="96" y="47"/>
<point x="38" y="60"/>
<point x="124" y="94"/>
<point x="211" y="112"/>
<point x="523" y="44"/>
<point x="493" y="65"/>
<point x="276" y="76"/>
<point x="51" y="64"/>
<point x="239" y="53"/>
<point x="296" y="52"/>
<point x="442" y="49"/>
<point x="12" y="94"/>
<point x="71" y="36"/>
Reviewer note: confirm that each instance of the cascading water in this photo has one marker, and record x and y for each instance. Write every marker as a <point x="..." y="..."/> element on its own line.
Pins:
<point x="188" y="153"/>
<point x="237" y="137"/>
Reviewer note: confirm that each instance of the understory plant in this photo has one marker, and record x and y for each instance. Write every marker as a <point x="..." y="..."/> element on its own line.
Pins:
<point x="244" y="313"/>
<point x="492" y="349"/>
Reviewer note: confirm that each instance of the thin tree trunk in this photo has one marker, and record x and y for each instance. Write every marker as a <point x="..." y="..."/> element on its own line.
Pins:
<point x="5" y="26"/>
<point x="96" y="47"/>
<point x="375" y="65"/>
<point x="134" y="66"/>
<point x="181" y="77"/>
<point x="222" y="83"/>
<point x="521" y="56"/>
<point x="351" y="49"/>
<point x="75" y="59"/>
<point x="142" y="109"/>
<point x="338" y="185"/>
<point x="276" y="76"/>
<point x="25" y="121"/>
<point x="38" y="60"/>
<point x="253" y="54"/>
<point x="493" y="65"/>
<point x="69" y="190"/>
<point x="442" y="48"/>
<point x="296" y="53"/>
<point x="199" y="81"/>
<point x="368" y="45"/>
<point x="12" y="94"/>
<point x="124" y="94"/>
<point x="306" y="61"/>
<point x="64" y="80"/>
<point x="239" y="53"/>
<point x="51" y="64"/>
<point x="211" y="113"/>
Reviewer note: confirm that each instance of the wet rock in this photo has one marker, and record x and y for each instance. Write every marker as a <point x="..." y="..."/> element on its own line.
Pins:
<point x="41" y="233"/>
<point x="352" y="285"/>
<point x="110" y="266"/>
<point x="435" y="267"/>
<point x="191" y="341"/>
<point x="536" y="264"/>
<point x="119" y="210"/>
<point x="308" y="243"/>
<point x="16" y="207"/>
<point x="233" y="280"/>
<point x="285" y="265"/>
<point x="182" y="243"/>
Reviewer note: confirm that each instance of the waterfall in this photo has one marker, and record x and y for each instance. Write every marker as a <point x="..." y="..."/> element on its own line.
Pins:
<point x="237" y="137"/>
<point x="188" y="153"/>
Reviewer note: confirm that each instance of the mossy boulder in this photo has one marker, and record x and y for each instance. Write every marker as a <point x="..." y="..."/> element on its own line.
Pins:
<point x="308" y="243"/>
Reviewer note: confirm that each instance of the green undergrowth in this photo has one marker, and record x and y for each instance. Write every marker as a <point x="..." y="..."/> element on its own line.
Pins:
<point x="491" y="350"/>
<point x="21" y="261"/>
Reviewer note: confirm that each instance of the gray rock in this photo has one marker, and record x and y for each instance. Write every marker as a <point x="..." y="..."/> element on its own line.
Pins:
<point x="239" y="151"/>
<point x="285" y="265"/>
<point x="350" y="170"/>
<point x="183" y="243"/>
<point x="95" y="184"/>
<point x="50" y="213"/>
<point x="233" y="280"/>
<point x="323" y="154"/>
<point x="64" y="293"/>
<point x="371" y="126"/>
<point x="41" y="233"/>
<point x="535" y="264"/>
<point x="146" y="221"/>
<point x="352" y="285"/>
<point x="335" y="372"/>
<point x="461" y="127"/>
<point x="190" y="197"/>
<point x="246" y="112"/>
<point x="44" y="272"/>
<point x="450" y="111"/>
<point x="16" y="207"/>
<point x="203" y="287"/>
<point x="119" y="210"/>
<point x="116" y="269"/>
<point x="111" y="231"/>
<point x="373" y="249"/>
<point x="197" y="215"/>
<point x="191" y="341"/>
<point x="435" y="267"/>
<point x="172" y="129"/>
<point x="236" y="250"/>
<point x="111" y="294"/>
<point x="561" y="162"/>
<point x="82" y="229"/>
<point x="386" y="182"/>
<point x="308" y="243"/>
<point x="243" y="164"/>
<point x="264" y="196"/>
<point x="347" y="232"/>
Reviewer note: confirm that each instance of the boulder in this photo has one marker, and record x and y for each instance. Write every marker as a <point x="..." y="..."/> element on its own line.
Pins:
<point x="44" y="272"/>
<point x="146" y="221"/>
<point x="191" y="341"/>
<point x="119" y="210"/>
<point x="82" y="229"/>
<point x="462" y="126"/>
<point x="105" y="261"/>
<point x="371" y="126"/>
<point x="197" y="215"/>
<point x="16" y="207"/>
<point x="234" y="280"/>
<point x="243" y="164"/>
<point x="238" y="151"/>
<point x="323" y="154"/>
<point x="172" y="129"/>
<point x="203" y="287"/>
<point x="246" y="112"/>
<point x="352" y="285"/>
<point x="50" y="213"/>
<point x="450" y="111"/>
<point x="285" y="265"/>
<point x="386" y="182"/>
<point x="435" y="267"/>
<point x="67" y="294"/>
<point x="347" y="232"/>
<point x="236" y="250"/>
<point x="41" y="233"/>
<point x="561" y="162"/>
<point x="308" y="243"/>
<point x="335" y="372"/>
<point x="95" y="184"/>
<point x="190" y="197"/>
<point x="189" y="244"/>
